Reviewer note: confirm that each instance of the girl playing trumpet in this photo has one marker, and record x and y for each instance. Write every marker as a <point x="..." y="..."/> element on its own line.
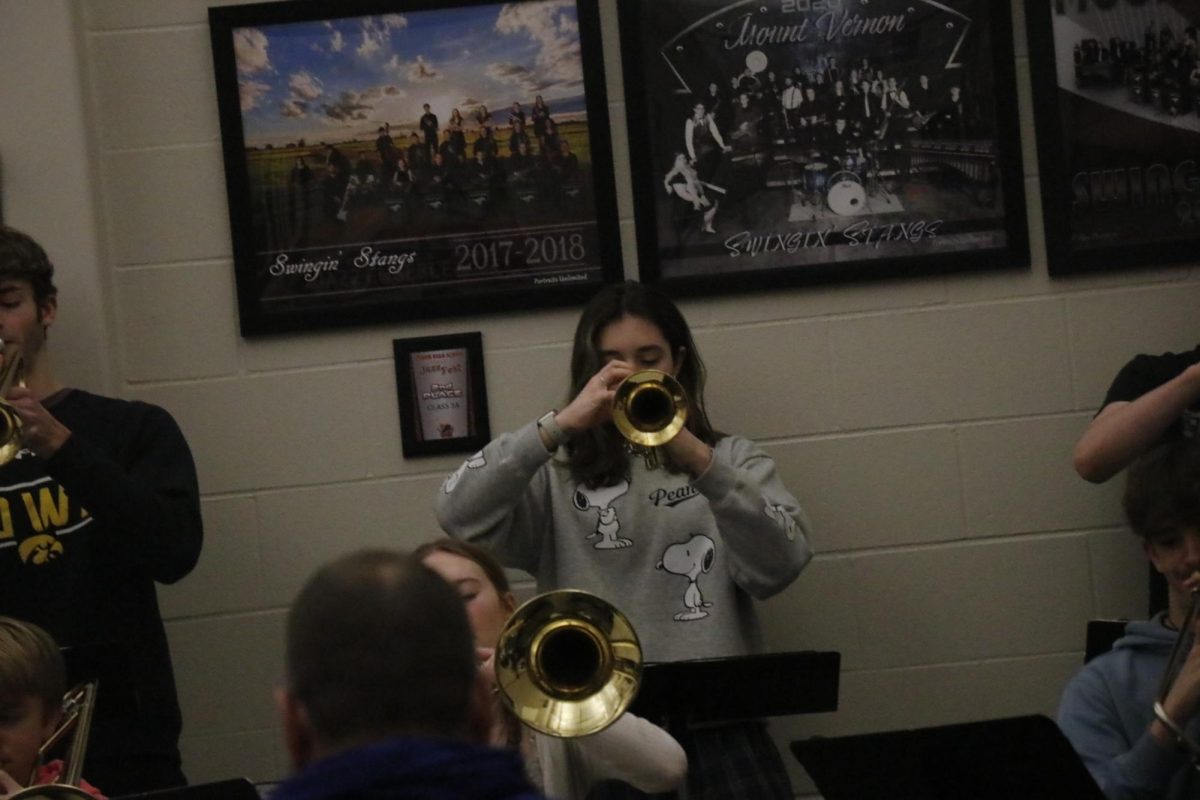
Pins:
<point x="682" y="550"/>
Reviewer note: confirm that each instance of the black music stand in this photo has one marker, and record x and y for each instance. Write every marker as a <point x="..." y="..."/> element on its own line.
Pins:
<point x="232" y="789"/>
<point x="1018" y="758"/>
<point x="740" y="687"/>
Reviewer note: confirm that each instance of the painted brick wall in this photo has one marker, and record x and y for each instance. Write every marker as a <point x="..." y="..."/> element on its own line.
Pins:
<point x="927" y="425"/>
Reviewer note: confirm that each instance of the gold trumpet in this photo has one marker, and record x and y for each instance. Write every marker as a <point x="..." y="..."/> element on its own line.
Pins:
<point x="77" y="717"/>
<point x="568" y="663"/>
<point x="649" y="408"/>
<point x="12" y="373"/>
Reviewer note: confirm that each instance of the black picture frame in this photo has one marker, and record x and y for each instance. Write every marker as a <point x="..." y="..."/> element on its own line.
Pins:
<point x="320" y="105"/>
<point x="1117" y="114"/>
<point x="441" y="394"/>
<point x="801" y="199"/>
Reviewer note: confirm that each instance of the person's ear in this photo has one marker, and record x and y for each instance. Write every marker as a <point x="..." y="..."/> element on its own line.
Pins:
<point x="48" y="310"/>
<point x="509" y="601"/>
<point x="297" y="728"/>
<point x="1151" y="554"/>
<point x="481" y="711"/>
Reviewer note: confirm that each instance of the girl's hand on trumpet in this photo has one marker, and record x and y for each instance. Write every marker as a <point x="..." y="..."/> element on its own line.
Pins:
<point x="593" y="405"/>
<point x="486" y="656"/>
<point x="499" y="731"/>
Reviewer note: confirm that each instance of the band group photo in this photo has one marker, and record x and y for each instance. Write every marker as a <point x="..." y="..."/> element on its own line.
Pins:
<point x="438" y="170"/>
<point x="774" y="124"/>
<point x="1149" y="60"/>
<point x="404" y="131"/>
<point x="840" y="151"/>
<point x="1121" y="84"/>
<point x="392" y="164"/>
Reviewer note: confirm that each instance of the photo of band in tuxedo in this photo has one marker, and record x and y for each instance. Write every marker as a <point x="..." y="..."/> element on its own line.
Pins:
<point x="1124" y="78"/>
<point x="438" y="152"/>
<point x="811" y="132"/>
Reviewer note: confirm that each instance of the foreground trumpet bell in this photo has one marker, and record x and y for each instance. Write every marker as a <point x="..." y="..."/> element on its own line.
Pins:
<point x="77" y="718"/>
<point x="568" y="663"/>
<point x="12" y="373"/>
<point x="649" y="408"/>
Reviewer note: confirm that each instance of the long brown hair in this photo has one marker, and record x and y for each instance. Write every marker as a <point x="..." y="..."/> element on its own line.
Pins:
<point x="494" y="572"/>
<point x="472" y="552"/>
<point x="598" y="456"/>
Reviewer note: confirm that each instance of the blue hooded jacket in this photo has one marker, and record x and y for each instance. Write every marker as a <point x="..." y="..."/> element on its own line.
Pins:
<point x="1106" y="711"/>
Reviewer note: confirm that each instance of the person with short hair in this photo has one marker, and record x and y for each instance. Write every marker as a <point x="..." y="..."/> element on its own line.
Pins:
<point x="429" y="129"/>
<point x="126" y="517"/>
<point x="516" y="114"/>
<point x="384" y="698"/>
<point x="518" y="136"/>
<point x="702" y="141"/>
<point x="32" y="685"/>
<point x="791" y="101"/>
<point x="1107" y="709"/>
<point x="1152" y="399"/>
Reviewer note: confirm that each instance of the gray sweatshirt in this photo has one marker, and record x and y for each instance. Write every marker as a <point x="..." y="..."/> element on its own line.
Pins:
<point x="681" y="559"/>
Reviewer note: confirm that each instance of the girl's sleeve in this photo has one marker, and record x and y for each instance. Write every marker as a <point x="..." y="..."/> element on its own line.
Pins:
<point x="499" y="497"/>
<point x="635" y="751"/>
<point x="763" y="527"/>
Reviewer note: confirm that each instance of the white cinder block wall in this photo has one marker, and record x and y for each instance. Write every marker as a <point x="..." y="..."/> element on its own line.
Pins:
<point x="927" y="424"/>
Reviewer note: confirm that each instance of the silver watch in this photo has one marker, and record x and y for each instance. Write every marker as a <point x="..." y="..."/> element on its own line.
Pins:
<point x="547" y="423"/>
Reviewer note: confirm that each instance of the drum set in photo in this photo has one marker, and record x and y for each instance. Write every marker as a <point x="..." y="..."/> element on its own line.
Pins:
<point x="823" y="184"/>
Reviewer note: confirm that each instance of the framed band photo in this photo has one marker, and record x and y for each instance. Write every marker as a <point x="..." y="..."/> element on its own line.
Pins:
<point x="389" y="161"/>
<point x="781" y="142"/>
<point x="442" y="394"/>
<point x="1117" y="99"/>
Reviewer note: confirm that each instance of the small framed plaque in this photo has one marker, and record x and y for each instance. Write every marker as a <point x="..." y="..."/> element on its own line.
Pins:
<point x="442" y="394"/>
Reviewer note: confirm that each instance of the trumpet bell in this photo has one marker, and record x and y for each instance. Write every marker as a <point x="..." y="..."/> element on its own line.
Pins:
<point x="568" y="663"/>
<point x="649" y="408"/>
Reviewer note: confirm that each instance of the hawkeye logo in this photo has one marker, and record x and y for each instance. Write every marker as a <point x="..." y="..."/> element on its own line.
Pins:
<point x="35" y="516"/>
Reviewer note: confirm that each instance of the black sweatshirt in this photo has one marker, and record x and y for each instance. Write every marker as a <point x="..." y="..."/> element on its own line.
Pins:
<point x="83" y="538"/>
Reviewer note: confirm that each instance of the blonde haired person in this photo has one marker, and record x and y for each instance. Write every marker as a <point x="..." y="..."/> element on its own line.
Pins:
<point x="32" y="684"/>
